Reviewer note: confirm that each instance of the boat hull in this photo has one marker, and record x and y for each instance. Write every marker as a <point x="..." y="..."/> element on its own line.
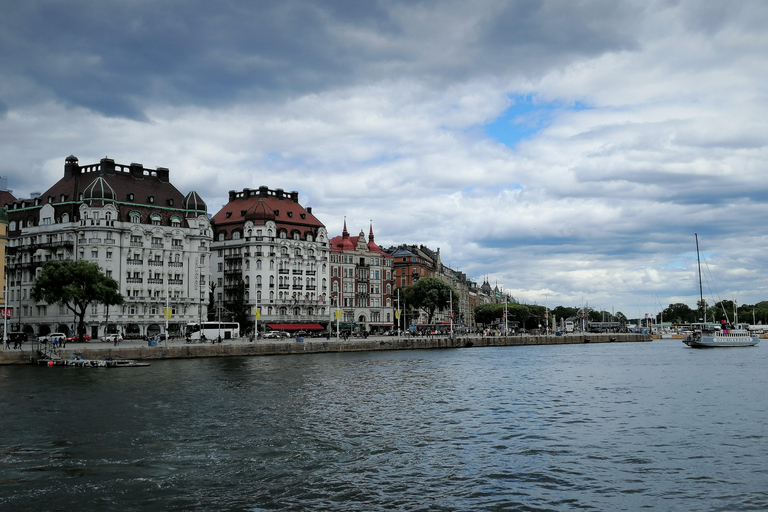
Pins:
<point x="721" y="341"/>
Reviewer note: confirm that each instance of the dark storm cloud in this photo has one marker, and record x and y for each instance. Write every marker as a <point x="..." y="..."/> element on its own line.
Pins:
<point x="118" y="58"/>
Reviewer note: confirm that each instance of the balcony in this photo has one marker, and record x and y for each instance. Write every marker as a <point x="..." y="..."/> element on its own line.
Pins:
<point x="157" y="246"/>
<point x="155" y="263"/>
<point x="154" y="281"/>
<point x="134" y="262"/>
<point x="134" y="280"/>
<point x="175" y="264"/>
<point x="297" y="272"/>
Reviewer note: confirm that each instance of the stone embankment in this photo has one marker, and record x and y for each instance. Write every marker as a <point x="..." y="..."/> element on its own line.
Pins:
<point x="180" y="350"/>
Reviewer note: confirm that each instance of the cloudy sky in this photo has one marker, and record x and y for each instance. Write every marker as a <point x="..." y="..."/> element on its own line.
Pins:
<point x="566" y="150"/>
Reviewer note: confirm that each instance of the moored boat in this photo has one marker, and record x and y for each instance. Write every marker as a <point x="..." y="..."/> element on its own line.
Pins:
<point x="707" y="336"/>
<point x="703" y="338"/>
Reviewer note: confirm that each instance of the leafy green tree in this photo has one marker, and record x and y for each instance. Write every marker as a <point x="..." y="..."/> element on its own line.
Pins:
<point x="564" y="312"/>
<point x="679" y="313"/>
<point x="75" y="285"/>
<point x="430" y="294"/>
<point x="240" y="310"/>
<point x="488" y="313"/>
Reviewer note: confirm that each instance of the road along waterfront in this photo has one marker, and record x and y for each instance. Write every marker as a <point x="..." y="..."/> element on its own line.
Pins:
<point x="179" y="349"/>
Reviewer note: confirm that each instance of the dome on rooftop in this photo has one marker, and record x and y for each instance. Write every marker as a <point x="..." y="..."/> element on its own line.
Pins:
<point x="99" y="190"/>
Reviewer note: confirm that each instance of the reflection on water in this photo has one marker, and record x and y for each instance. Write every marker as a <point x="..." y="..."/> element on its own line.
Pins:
<point x="594" y="427"/>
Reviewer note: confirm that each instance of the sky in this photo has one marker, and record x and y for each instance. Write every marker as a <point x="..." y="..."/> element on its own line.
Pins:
<point x="564" y="151"/>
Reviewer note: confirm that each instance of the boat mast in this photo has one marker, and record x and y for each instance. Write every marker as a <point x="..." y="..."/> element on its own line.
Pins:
<point x="701" y="290"/>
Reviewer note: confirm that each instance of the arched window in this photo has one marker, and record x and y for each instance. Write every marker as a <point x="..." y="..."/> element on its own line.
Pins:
<point x="283" y="251"/>
<point x="258" y="281"/>
<point x="221" y="236"/>
<point x="258" y="264"/>
<point x="236" y="235"/>
<point x="297" y="253"/>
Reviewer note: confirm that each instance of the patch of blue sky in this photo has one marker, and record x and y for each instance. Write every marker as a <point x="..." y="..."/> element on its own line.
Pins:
<point x="526" y="116"/>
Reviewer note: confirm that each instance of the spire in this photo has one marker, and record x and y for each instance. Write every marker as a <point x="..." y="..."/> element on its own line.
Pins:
<point x="370" y="233"/>
<point x="345" y="233"/>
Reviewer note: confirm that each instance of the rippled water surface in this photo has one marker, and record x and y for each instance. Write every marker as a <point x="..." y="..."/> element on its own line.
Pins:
<point x="602" y="427"/>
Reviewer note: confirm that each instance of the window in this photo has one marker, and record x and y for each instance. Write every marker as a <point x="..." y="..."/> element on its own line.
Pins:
<point x="109" y="255"/>
<point x="236" y="235"/>
<point x="94" y="253"/>
<point x="155" y="218"/>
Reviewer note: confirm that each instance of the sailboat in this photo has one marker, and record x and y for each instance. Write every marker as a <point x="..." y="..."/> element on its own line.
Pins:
<point x="707" y="336"/>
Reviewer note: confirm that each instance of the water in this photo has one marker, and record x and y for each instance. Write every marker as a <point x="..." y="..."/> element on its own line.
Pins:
<point x="600" y="427"/>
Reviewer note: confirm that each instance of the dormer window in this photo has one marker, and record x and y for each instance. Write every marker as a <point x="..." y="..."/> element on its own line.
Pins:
<point x="151" y="199"/>
<point x="290" y="215"/>
<point x="130" y="197"/>
<point x="228" y="214"/>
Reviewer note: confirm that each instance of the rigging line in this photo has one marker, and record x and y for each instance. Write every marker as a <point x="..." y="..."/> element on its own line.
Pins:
<point x="716" y="294"/>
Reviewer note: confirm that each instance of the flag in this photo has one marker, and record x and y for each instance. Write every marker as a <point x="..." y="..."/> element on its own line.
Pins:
<point x="257" y="313"/>
<point x="397" y="314"/>
<point x="167" y="312"/>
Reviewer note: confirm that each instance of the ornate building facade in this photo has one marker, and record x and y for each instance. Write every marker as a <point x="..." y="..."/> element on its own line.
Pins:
<point x="362" y="283"/>
<point x="131" y="221"/>
<point x="271" y="253"/>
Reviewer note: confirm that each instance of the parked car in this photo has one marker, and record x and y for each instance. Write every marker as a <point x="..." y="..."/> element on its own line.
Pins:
<point x="52" y="336"/>
<point x="76" y="337"/>
<point x="112" y="337"/>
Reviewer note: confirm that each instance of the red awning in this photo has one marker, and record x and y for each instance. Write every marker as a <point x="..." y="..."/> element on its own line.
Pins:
<point x="295" y="327"/>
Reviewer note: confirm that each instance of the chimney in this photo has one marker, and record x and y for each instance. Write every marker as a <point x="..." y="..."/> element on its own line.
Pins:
<point x="163" y="174"/>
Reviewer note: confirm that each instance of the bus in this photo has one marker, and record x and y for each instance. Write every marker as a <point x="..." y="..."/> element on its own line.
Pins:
<point x="212" y="330"/>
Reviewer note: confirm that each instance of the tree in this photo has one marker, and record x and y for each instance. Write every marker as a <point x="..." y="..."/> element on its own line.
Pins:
<point x="240" y="309"/>
<point x="75" y="285"/>
<point x="430" y="294"/>
<point x="679" y="313"/>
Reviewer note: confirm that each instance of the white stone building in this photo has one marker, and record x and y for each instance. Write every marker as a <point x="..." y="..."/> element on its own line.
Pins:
<point x="275" y="253"/>
<point x="131" y="221"/>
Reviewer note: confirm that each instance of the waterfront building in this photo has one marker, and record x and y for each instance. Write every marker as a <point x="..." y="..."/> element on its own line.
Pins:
<point x="131" y="221"/>
<point x="411" y="263"/>
<point x="361" y="283"/>
<point x="271" y="256"/>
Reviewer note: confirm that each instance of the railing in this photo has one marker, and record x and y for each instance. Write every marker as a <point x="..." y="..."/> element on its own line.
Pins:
<point x="175" y="264"/>
<point x="135" y="262"/>
<point x="155" y="263"/>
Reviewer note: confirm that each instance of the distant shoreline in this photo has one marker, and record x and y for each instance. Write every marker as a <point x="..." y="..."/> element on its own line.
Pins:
<point x="178" y="349"/>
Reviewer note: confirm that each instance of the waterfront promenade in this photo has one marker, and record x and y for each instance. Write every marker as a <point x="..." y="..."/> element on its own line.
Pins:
<point x="178" y="348"/>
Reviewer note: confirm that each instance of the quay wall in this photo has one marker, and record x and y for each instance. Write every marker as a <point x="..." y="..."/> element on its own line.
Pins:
<point x="262" y="348"/>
